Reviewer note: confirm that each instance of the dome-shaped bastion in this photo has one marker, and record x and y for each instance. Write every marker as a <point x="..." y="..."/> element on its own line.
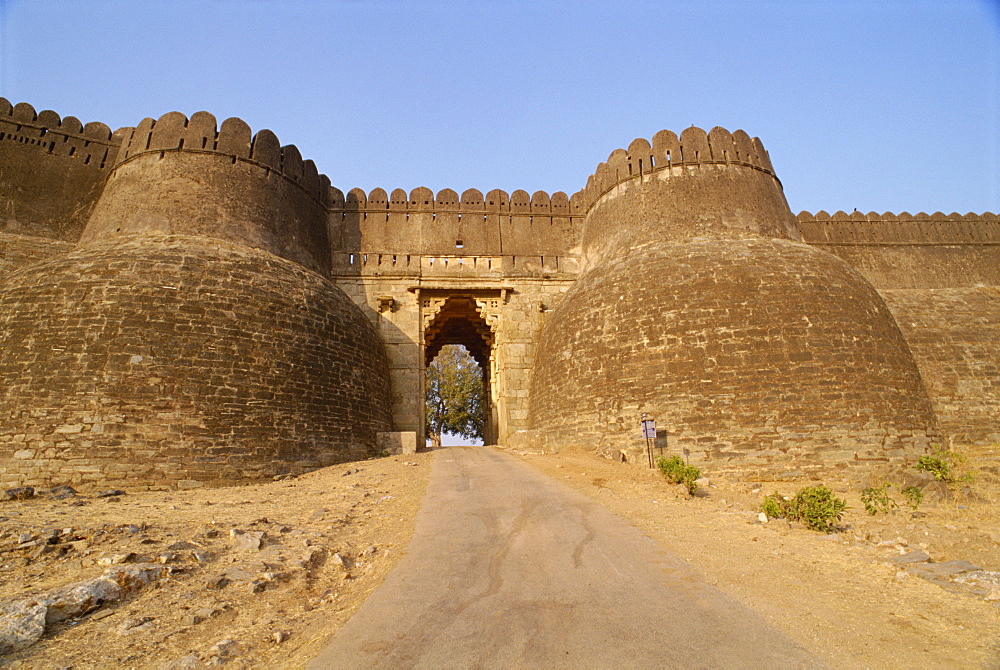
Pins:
<point x="184" y="303"/>
<point x="699" y="308"/>
<point x="191" y="335"/>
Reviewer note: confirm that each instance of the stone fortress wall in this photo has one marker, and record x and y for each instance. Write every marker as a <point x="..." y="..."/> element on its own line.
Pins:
<point x="185" y="303"/>
<point x="904" y="251"/>
<point x="51" y="183"/>
<point x="700" y="305"/>
<point x="939" y="274"/>
<point x="191" y="334"/>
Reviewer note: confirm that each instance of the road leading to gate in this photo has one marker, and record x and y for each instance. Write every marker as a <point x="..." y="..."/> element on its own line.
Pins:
<point x="508" y="568"/>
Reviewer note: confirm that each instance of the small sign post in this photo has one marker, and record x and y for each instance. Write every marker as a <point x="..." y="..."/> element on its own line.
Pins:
<point x="649" y="432"/>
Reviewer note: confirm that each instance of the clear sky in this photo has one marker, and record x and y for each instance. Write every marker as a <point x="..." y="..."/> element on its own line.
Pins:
<point x="886" y="106"/>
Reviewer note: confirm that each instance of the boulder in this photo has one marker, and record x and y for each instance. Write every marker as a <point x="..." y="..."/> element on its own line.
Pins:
<point x="21" y="626"/>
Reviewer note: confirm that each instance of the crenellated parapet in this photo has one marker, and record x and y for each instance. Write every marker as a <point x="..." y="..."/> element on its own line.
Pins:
<point x="448" y="203"/>
<point x="694" y="147"/>
<point x="51" y="170"/>
<point x="200" y="134"/>
<point x="92" y="144"/>
<point x="672" y="189"/>
<point x="187" y="176"/>
<point x="422" y="223"/>
<point x="904" y="229"/>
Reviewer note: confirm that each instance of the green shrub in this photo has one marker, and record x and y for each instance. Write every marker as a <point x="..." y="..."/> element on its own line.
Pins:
<point x="935" y="465"/>
<point x="677" y="472"/>
<point x="942" y="464"/>
<point x="913" y="495"/>
<point x="814" y="506"/>
<point x="877" y="500"/>
<point x="817" y="508"/>
<point x="773" y="506"/>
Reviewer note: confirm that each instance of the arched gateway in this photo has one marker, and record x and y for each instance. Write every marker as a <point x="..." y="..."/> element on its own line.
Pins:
<point x="464" y="319"/>
<point x="497" y="319"/>
<point x="481" y="271"/>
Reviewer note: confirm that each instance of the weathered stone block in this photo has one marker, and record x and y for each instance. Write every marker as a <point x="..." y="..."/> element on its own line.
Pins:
<point x="400" y="442"/>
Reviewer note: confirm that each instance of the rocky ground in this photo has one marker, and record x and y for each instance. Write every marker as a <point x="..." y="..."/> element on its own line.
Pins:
<point x="246" y="576"/>
<point x="261" y="576"/>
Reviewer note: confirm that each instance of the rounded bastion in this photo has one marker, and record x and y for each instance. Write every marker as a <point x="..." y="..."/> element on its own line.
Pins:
<point x="180" y="176"/>
<point x="675" y="188"/>
<point x="170" y="360"/>
<point x="752" y="351"/>
<point x="193" y="335"/>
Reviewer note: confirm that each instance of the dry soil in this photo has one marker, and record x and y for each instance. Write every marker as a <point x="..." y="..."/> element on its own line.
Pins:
<point x="329" y="538"/>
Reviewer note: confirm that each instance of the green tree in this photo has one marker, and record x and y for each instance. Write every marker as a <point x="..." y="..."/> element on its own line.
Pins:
<point x="454" y="395"/>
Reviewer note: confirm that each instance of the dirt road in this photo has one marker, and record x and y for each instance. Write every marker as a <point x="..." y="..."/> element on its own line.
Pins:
<point x="508" y="568"/>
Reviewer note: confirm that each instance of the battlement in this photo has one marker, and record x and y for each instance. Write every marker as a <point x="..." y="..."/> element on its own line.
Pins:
<point x="716" y="184"/>
<point x="52" y="170"/>
<point x="694" y="147"/>
<point x="92" y="144"/>
<point x="447" y="203"/>
<point x="175" y="132"/>
<point x="471" y="225"/>
<point x="181" y="176"/>
<point x="904" y="229"/>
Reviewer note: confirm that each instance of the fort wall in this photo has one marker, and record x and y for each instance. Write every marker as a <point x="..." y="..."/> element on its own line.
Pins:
<point x="191" y="335"/>
<point x="261" y="194"/>
<point x="19" y="250"/>
<point x="953" y="333"/>
<point x="185" y="303"/>
<point x="424" y="224"/>
<point x="177" y="361"/>
<point x="698" y="306"/>
<point x="938" y="274"/>
<point x="758" y="356"/>
<point x="52" y="170"/>
<point x="907" y="251"/>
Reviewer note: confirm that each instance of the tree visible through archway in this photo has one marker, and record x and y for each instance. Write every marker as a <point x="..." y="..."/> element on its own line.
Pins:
<point x="455" y="395"/>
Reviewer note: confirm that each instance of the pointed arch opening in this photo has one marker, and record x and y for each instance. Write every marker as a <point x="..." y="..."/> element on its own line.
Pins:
<point x="460" y="320"/>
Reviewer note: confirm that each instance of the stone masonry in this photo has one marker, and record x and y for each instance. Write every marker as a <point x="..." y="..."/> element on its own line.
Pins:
<point x="186" y="303"/>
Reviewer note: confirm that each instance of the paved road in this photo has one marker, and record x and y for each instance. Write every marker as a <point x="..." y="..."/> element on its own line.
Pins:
<point x="509" y="568"/>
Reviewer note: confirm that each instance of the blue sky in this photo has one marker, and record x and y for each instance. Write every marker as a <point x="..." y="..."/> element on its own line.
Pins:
<point x="885" y="106"/>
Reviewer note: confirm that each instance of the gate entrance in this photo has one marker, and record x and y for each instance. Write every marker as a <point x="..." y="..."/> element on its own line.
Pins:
<point x="465" y="319"/>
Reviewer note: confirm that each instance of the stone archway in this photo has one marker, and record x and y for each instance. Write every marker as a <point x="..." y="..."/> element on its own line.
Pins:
<point x="470" y="320"/>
